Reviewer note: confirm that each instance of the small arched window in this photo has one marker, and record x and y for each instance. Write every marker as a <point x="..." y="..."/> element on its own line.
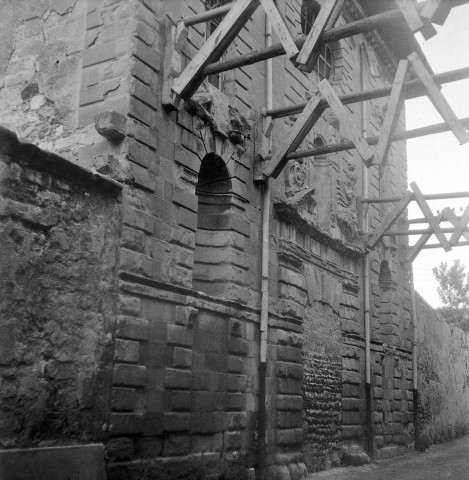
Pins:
<point x="324" y="65"/>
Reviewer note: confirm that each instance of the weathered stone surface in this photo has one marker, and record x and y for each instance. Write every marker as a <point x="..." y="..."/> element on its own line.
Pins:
<point x="76" y="462"/>
<point x="111" y="125"/>
<point x="59" y="298"/>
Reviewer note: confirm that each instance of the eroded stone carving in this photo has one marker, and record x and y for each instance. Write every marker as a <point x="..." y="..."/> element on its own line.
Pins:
<point x="347" y="220"/>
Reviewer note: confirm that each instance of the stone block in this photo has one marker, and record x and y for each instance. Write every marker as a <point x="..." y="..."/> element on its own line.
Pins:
<point x="75" y="462"/>
<point x="206" y="422"/>
<point x="236" y="421"/>
<point x="187" y="158"/>
<point x="129" y="375"/>
<point x="176" y="445"/>
<point x="178" y="379"/>
<point x="290" y="370"/>
<point x="182" y="357"/>
<point x="126" y="351"/>
<point x="289" y="402"/>
<point x="232" y="440"/>
<point x="238" y="346"/>
<point x="186" y="316"/>
<point x="179" y="335"/>
<point x="126" y="423"/>
<point x="287" y="437"/>
<point x="120" y="449"/>
<point x="124" y="399"/>
<point x="176" y="421"/>
<point x="111" y="125"/>
<point x="288" y="386"/>
<point x="180" y="400"/>
<point x="234" y="401"/>
<point x="235" y="364"/>
<point x="99" y="54"/>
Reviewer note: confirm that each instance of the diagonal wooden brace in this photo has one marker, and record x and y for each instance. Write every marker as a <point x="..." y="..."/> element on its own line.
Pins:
<point x="414" y="21"/>
<point x="436" y="11"/>
<point x="192" y="76"/>
<point x="346" y="122"/>
<point x="392" y="115"/>
<point x="422" y="241"/>
<point x="280" y="27"/>
<point x="389" y="221"/>
<point x="326" y="18"/>
<point x="309" y="116"/>
<point x="437" y="98"/>
<point x="429" y="216"/>
<point x="459" y="224"/>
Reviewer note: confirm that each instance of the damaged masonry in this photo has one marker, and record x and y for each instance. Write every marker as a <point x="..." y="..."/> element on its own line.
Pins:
<point x="205" y="264"/>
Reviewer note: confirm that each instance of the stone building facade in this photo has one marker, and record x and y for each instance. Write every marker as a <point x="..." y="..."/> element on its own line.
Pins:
<point x="131" y="280"/>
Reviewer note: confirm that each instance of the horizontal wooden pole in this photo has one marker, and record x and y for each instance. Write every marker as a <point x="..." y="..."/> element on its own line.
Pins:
<point x="437" y="245"/>
<point x="419" y="232"/>
<point x="431" y="196"/>
<point x="207" y="15"/>
<point x="413" y="89"/>
<point x="331" y="35"/>
<point x="422" y="220"/>
<point x="340" y="147"/>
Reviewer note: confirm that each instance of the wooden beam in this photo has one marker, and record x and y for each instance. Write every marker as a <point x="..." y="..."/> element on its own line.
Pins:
<point x="388" y="222"/>
<point x="308" y="53"/>
<point x="341" y="147"/>
<point x="421" y="242"/>
<point x="429" y="216"/>
<point x="401" y="233"/>
<point x="392" y="115"/>
<point x="332" y="35"/>
<point x="175" y="36"/>
<point x="413" y="19"/>
<point x="459" y="224"/>
<point x="346" y="122"/>
<point x="207" y="15"/>
<point x="309" y="116"/>
<point x="436" y="11"/>
<point x="437" y="245"/>
<point x="192" y="76"/>
<point x="412" y="88"/>
<point x="431" y="196"/>
<point x="438" y="99"/>
<point x="280" y="27"/>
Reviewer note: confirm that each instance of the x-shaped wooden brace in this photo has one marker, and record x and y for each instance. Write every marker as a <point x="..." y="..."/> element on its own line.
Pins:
<point x="393" y="111"/>
<point x="426" y="210"/>
<point x="459" y="223"/>
<point x="305" y="121"/>
<point x="190" y="79"/>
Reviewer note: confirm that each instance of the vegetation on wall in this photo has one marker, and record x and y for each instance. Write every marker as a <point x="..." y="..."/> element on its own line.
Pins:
<point x="453" y="289"/>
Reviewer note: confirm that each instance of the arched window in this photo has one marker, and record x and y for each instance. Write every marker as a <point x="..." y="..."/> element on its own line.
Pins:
<point x="324" y="65"/>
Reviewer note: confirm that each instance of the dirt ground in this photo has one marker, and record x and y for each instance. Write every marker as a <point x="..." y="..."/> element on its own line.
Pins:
<point x="440" y="462"/>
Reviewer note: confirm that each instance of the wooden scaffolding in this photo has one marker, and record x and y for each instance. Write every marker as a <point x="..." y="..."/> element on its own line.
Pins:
<point x="180" y="84"/>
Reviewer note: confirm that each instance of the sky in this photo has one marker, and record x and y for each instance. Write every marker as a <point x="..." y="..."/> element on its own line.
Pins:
<point x="437" y="163"/>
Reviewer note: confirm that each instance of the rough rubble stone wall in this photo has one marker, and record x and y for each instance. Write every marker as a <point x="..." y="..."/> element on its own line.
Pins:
<point x="58" y="299"/>
<point x="322" y="404"/>
<point x="443" y="360"/>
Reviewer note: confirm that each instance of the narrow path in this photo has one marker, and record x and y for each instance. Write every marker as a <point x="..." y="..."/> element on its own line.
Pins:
<point x="440" y="462"/>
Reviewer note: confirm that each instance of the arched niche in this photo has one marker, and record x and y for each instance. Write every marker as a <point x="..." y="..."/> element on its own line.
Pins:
<point x="220" y="268"/>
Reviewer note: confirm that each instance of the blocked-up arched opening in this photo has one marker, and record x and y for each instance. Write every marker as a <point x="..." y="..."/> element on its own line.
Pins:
<point x="384" y="275"/>
<point x="217" y="240"/>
